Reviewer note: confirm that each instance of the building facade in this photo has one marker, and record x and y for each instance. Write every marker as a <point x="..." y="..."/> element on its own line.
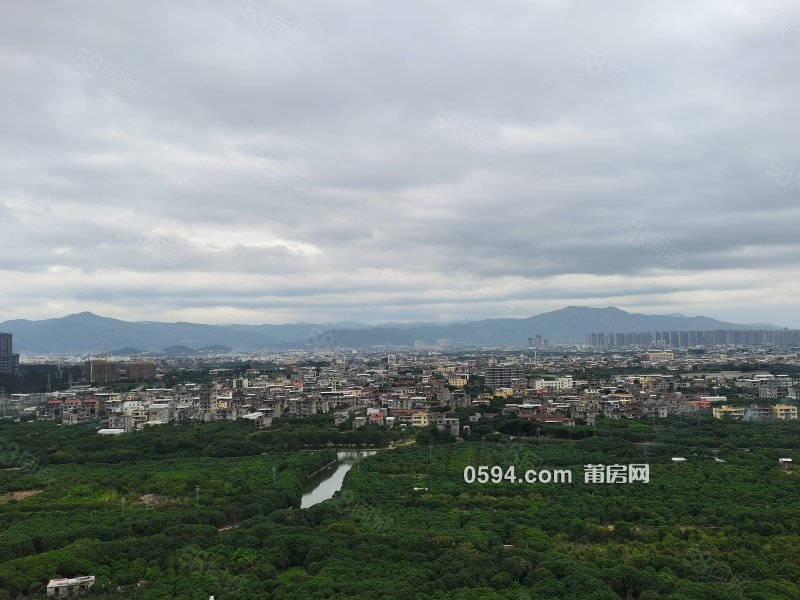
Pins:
<point x="502" y="376"/>
<point x="141" y="369"/>
<point x="101" y="370"/>
<point x="9" y="362"/>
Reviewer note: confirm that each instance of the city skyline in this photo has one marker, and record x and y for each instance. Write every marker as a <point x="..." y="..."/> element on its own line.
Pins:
<point x="94" y="334"/>
<point x="274" y="163"/>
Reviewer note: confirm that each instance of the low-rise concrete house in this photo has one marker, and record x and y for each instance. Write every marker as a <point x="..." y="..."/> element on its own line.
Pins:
<point x="73" y="586"/>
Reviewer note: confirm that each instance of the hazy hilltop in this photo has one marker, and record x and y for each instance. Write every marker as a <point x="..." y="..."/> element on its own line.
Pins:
<point x="567" y="324"/>
<point x="87" y="332"/>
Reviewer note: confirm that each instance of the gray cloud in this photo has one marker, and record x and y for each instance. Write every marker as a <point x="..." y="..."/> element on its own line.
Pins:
<point x="261" y="162"/>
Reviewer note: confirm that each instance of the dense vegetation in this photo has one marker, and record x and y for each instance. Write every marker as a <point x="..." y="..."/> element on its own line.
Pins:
<point x="191" y="511"/>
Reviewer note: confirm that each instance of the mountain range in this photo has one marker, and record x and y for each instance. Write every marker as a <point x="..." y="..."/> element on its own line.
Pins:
<point x="89" y="333"/>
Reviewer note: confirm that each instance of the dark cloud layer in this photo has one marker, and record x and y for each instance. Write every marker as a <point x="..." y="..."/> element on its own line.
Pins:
<point x="270" y="162"/>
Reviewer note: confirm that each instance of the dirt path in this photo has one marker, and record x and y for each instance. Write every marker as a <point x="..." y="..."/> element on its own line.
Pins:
<point x="21" y="495"/>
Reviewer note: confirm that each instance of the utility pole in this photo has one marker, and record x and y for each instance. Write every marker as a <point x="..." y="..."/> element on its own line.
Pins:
<point x="197" y="494"/>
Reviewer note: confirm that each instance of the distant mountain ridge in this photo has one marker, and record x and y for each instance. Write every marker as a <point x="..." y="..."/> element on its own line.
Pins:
<point x="86" y="332"/>
<point x="567" y="324"/>
<point x="89" y="333"/>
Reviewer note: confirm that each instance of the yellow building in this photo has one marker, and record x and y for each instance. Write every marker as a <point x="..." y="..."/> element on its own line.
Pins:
<point x="457" y="381"/>
<point x="784" y="411"/>
<point x="731" y="412"/>
<point x="419" y="419"/>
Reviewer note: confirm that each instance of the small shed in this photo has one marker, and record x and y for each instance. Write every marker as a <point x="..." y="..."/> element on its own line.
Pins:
<point x="71" y="586"/>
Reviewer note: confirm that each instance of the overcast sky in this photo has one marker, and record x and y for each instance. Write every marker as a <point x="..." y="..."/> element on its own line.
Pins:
<point x="270" y="162"/>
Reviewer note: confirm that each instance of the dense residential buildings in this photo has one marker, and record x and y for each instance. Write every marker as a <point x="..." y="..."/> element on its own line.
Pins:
<point x="432" y="387"/>
<point x="9" y="362"/>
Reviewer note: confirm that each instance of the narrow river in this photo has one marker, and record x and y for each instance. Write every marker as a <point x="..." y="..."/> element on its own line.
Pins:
<point x="323" y="485"/>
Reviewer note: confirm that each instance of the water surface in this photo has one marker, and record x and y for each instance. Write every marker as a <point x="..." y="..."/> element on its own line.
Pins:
<point x="323" y="485"/>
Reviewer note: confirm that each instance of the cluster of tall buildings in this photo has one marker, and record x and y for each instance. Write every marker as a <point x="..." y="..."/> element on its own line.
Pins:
<point x="688" y="339"/>
<point x="9" y="362"/>
<point x="537" y="342"/>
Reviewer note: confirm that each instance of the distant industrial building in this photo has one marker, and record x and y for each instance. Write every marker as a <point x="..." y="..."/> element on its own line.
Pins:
<point x="660" y="355"/>
<point x="9" y="362"/>
<point x="140" y="370"/>
<point x="101" y="370"/>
